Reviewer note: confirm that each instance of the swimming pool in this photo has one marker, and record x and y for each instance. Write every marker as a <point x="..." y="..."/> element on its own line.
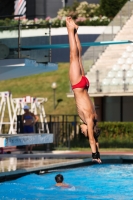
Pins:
<point x="102" y="182"/>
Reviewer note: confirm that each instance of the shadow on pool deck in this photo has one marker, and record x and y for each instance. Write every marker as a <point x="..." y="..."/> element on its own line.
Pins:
<point x="16" y="164"/>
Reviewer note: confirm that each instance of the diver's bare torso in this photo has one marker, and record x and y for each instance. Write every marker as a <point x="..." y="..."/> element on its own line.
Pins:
<point x="84" y="105"/>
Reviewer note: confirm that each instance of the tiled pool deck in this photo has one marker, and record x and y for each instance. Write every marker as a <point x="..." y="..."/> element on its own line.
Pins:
<point x="17" y="164"/>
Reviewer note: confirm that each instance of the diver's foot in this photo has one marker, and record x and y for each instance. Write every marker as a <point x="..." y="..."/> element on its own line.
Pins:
<point x="75" y="25"/>
<point x="96" y="157"/>
<point x="69" y="24"/>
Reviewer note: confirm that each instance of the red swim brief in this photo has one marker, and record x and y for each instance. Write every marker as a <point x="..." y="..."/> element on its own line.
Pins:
<point x="84" y="83"/>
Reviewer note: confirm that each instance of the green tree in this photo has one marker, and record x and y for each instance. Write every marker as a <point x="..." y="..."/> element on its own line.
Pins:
<point x="110" y="8"/>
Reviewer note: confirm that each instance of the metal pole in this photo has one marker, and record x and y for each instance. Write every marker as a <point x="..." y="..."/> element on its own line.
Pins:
<point x="50" y="51"/>
<point x="124" y="80"/>
<point x="54" y="88"/>
<point x="69" y="137"/>
<point x="63" y="3"/>
<point x="97" y="80"/>
<point x="112" y="30"/>
<point x="19" y="42"/>
<point x="54" y="97"/>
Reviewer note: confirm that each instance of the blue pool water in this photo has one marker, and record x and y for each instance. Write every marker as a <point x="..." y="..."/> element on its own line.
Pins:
<point x="99" y="182"/>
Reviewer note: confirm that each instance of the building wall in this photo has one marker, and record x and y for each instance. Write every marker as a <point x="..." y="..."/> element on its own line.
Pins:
<point x="6" y="7"/>
<point x="115" y="108"/>
<point x="127" y="108"/>
<point x="53" y="6"/>
<point x="111" y="109"/>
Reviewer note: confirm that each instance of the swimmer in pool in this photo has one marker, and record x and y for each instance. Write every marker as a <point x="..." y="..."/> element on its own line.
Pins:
<point x="59" y="181"/>
<point x="80" y="85"/>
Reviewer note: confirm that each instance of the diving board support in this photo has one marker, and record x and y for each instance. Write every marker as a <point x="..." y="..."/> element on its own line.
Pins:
<point x="25" y="139"/>
<point x="36" y="106"/>
<point x="5" y="103"/>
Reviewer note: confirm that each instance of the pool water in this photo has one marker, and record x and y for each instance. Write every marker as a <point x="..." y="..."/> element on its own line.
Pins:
<point x="99" y="182"/>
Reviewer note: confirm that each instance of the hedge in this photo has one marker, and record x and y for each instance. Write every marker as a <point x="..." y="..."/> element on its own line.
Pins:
<point x="110" y="8"/>
<point x="116" y="134"/>
<point x="113" y="135"/>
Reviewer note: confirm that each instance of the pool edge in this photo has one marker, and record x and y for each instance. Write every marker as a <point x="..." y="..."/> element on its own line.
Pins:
<point x="110" y="159"/>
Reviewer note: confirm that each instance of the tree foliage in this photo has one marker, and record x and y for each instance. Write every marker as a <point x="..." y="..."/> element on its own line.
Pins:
<point x="110" y="8"/>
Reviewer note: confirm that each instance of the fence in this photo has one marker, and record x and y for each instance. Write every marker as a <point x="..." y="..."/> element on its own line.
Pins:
<point x="65" y="129"/>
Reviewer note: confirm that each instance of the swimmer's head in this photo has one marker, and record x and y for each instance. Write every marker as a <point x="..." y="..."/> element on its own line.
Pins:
<point x="59" y="178"/>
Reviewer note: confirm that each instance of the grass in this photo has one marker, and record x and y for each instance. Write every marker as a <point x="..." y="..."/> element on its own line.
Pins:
<point x="40" y="86"/>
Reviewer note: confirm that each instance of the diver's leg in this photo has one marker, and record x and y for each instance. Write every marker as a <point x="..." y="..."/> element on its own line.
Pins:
<point x="79" y="48"/>
<point x="80" y="51"/>
<point x="75" y="70"/>
<point x="90" y="125"/>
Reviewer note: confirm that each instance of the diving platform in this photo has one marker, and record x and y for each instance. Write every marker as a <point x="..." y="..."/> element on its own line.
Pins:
<point x="8" y="140"/>
<point x="15" y="68"/>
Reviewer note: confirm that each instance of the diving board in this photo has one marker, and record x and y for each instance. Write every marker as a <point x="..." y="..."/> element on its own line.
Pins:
<point x="15" y="68"/>
<point x="7" y="140"/>
<point x="86" y="44"/>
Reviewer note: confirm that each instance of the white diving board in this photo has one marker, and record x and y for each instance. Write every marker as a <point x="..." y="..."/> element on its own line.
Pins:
<point x="7" y="140"/>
